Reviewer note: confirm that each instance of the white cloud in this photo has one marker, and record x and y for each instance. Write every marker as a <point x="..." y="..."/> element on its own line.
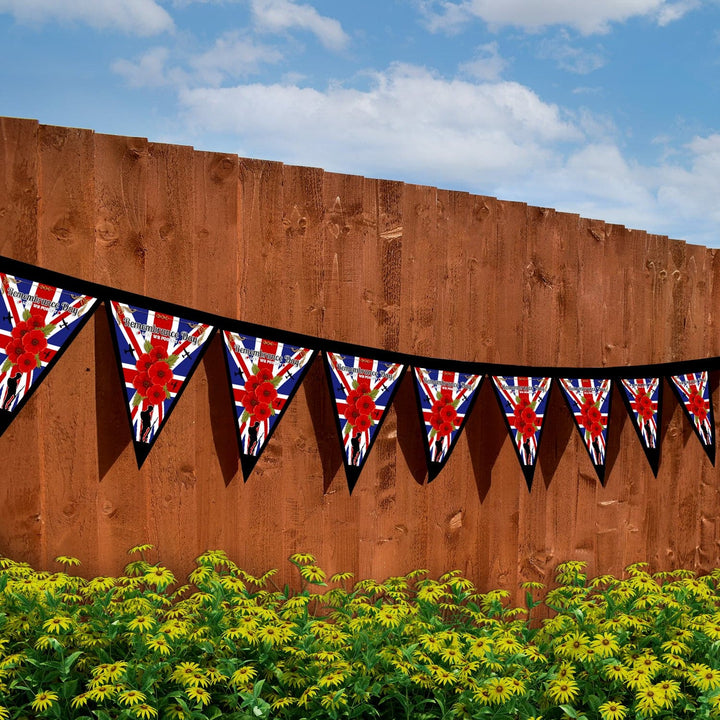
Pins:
<point x="141" y="17"/>
<point x="409" y="123"/>
<point x="233" y="56"/>
<point x="531" y="15"/>
<point x="149" y="71"/>
<point x="281" y="15"/>
<point x="570" y="57"/>
<point x="487" y="63"/>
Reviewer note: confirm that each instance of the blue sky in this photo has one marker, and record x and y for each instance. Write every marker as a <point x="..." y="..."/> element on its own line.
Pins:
<point x="608" y="109"/>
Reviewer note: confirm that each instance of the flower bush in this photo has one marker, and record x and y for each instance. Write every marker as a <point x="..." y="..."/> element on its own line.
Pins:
<point x="230" y="645"/>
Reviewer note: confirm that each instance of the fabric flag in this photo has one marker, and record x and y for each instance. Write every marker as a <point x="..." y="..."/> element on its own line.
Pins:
<point x="445" y="400"/>
<point x="589" y="402"/>
<point x="157" y="353"/>
<point x="363" y="390"/>
<point x="693" y="390"/>
<point x="523" y="401"/>
<point x="642" y="398"/>
<point x="38" y="322"/>
<point x="264" y="375"/>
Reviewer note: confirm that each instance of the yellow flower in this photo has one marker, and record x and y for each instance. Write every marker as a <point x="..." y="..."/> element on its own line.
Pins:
<point x="131" y="697"/>
<point x="67" y="560"/>
<point x="670" y="690"/>
<point x="649" y="701"/>
<point x="175" y="712"/>
<point x="144" y="711"/>
<point x="313" y="574"/>
<point x="705" y="678"/>
<point x="272" y="634"/>
<point x="79" y="700"/>
<point x="243" y="675"/>
<point x="574" y="646"/>
<point x="303" y="559"/>
<point x="143" y="623"/>
<point x="675" y="647"/>
<point x="442" y="676"/>
<point x="332" y="679"/>
<point x="159" y="644"/>
<point x="159" y="577"/>
<point x="638" y="677"/>
<point x="4" y="713"/>
<point x="482" y="695"/>
<point x="605" y="645"/>
<point x="282" y="702"/>
<point x="184" y="671"/>
<point x="200" y="695"/>
<point x="340" y="577"/>
<point x="500" y="691"/>
<point x="335" y="701"/>
<point x="100" y="692"/>
<point x="451" y="655"/>
<point x="44" y="700"/>
<point x="140" y="549"/>
<point x="508" y="644"/>
<point x="57" y="623"/>
<point x="562" y="691"/>
<point x="612" y="710"/>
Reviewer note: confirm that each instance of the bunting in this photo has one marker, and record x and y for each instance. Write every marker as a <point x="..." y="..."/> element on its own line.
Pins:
<point x="38" y="322"/>
<point x="693" y="391"/>
<point x="362" y="389"/>
<point x="157" y="353"/>
<point x="158" y="347"/>
<point x="445" y="398"/>
<point x="589" y="402"/>
<point x="523" y="401"/>
<point x="642" y="398"/>
<point x="264" y="375"/>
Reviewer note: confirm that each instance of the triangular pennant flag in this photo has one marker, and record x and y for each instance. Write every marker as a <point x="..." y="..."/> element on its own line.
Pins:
<point x="523" y="401"/>
<point x="264" y="375"/>
<point x="693" y="390"/>
<point x="363" y="390"/>
<point x="589" y="402"/>
<point x="157" y="353"/>
<point x="37" y="323"/>
<point x="445" y="400"/>
<point x="643" y="398"/>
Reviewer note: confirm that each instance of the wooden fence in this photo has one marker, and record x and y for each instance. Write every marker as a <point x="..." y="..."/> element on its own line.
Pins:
<point x="375" y="262"/>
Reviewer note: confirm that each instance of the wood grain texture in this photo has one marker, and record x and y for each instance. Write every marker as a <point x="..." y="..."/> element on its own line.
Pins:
<point x="374" y="262"/>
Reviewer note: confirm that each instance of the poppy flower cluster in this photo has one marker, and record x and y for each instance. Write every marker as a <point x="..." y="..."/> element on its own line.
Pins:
<point x="697" y="406"/>
<point x="153" y="375"/>
<point x="643" y="405"/>
<point x="443" y="415"/>
<point x="525" y="419"/>
<point x="360" y="407"/>
<point x="259" y="396"/>
<point x="591" y="417"/>
<point x="27" y="341"/>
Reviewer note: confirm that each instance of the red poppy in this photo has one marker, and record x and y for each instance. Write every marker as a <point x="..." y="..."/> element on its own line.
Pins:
<point x="251" y="383"/>
<point x="262" y="411"/>
<point x="352" y="414"/>
<point x="156" y="395"/>
<point x="363" y="423"/>
<point x="34" y="341"/>
<point x="435" y="420"/>
<point x="363" y="385"/>
<point x="35" y="321"/>
<point x="646" y="413"/>
<point x="160" y="373"/>
<point x="365" y="404"/>
<point x="594" y="414"/>
<point x="144" y="363"/>
<point x="14" y="350"/>
<point x="158" y="353"/>
<point x="266" y="392"/>
<point x="448" y="414"/>
<point x="596" y="429"/>
<point x="353" y="396"/>
<point x="264" y="374"/>
<point x="528" y="415"/>
<point x="445" y="429"/>
<point x="528" y="431"/>
<point x="26" y="362"/>
<point x="250" y="402"/>
<point x="142" y="383"/>
<point x="523" y="403"/>
<point x="438" y="405"/>
<point x="19" y="330"/>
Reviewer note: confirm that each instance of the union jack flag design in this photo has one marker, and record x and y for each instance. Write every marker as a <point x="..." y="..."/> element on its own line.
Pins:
<point x="37" y="324"/>
<point x="157" y="354"/>
<point x="523" y="401"/>
<point x="264" y="375"/>
<point x="642" y="398"/>
<point x="445" y="400"/>
<point x="363" y="390"/>
<point x="589" y="402"/>
<point x="693" y="390"/>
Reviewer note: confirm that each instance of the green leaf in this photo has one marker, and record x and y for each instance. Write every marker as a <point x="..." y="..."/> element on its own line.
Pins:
<point x="374" y="393"/>
<point x="148" y="346"/>
<point x="569" y="711"/>
<point x="244" y="417"/>
<point x="26" y="314"/>
<point x="47" y="329"/>
<point x="347" y="429"/>
<point x="137" y="399"/>
<point x="277" y="380"/>
<point x="167" y="392"/>
<point x="171" y="360"/>
<point x="37" y="361"/>
<point x="255" y="369"/>
<point x="6" y="365"/>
